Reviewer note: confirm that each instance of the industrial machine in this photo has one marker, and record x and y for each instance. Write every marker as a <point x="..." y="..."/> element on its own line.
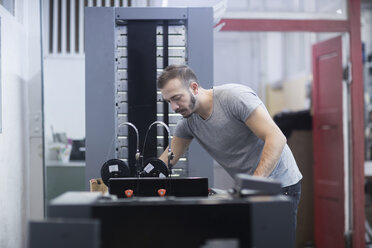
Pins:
<point x="125" y="51"/>
<point x="258" y="216"/>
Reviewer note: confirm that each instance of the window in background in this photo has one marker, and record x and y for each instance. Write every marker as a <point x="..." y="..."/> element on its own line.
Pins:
<point x="296" y="45"/>
<point x="276" y="65"/>
<point x="8" y="4"/>
<point x="287" y="9"/>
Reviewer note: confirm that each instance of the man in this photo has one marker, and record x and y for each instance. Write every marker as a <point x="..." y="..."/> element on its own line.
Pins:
<point x="233" y="126"/>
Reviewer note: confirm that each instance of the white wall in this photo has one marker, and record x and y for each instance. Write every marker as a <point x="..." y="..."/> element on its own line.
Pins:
<point x="14" y="139"/>
<point x="64" y="99"/>
<point x="64" y="96"/>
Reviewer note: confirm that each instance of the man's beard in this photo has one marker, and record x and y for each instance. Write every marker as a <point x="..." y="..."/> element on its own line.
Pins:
<point x="191" y="106"/>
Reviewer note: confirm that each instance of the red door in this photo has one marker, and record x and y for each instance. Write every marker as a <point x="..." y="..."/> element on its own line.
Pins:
<point x="328" y="144"/>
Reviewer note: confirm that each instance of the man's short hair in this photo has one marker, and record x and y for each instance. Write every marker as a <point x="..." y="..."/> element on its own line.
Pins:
<point x="181" y="72"/>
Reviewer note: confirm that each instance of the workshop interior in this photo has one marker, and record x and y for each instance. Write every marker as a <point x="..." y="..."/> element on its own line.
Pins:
<point x="83" y="122"/>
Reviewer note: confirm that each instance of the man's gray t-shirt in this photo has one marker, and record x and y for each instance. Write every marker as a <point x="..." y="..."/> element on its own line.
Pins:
<point x="226" y="137"/>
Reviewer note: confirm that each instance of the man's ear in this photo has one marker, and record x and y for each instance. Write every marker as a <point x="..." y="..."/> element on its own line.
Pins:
<point x="194" y="88"/>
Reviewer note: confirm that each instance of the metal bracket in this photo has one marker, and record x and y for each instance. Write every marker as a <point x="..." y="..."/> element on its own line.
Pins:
<point x="347" y="73"/>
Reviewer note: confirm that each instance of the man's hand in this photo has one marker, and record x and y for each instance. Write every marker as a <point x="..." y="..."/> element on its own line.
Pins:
<point x="178" y="146"/>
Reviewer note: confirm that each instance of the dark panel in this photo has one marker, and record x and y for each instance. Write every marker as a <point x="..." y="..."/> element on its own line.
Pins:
<point x="82" y="233"/>
<point x="142" y="85"/>
<point x="180" y="187"/>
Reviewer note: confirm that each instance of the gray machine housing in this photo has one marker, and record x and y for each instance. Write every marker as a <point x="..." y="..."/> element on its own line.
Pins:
<point x="101" y="73"/>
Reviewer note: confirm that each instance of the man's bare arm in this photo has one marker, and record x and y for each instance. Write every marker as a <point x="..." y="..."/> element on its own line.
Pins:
<point x="264" y="127"/>
<point x="179" y="146"/>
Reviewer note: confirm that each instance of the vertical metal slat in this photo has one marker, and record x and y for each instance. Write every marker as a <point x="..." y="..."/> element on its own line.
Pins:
<point x="81" y="28"/>
<point x="46" y="24"/>
<point x="72" y="26"/>
<point x="63" y="27"/>
<point x="55" y="26"/>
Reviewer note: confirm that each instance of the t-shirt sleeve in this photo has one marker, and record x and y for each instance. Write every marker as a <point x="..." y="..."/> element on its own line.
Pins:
<point x="182" y="130"/>
<point x="243" y="101"/>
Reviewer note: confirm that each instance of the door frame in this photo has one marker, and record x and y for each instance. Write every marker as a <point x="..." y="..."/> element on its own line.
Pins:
<point x="352" y="26"/>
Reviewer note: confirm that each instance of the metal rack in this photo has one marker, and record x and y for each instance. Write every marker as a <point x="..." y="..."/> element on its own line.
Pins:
<point x="126" y="50"/>
<point x="175" y="54"/>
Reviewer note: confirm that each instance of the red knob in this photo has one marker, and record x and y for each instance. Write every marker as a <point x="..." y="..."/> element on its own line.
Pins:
<point x="129" y="193"/>
<point x="161" y="192"/>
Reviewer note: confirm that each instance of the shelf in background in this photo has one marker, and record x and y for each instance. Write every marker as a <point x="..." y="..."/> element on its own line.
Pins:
<point x="60" y="163"/>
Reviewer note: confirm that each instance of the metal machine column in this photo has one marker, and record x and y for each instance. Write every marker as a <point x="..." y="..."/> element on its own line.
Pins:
<point x="126" y="49"/>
